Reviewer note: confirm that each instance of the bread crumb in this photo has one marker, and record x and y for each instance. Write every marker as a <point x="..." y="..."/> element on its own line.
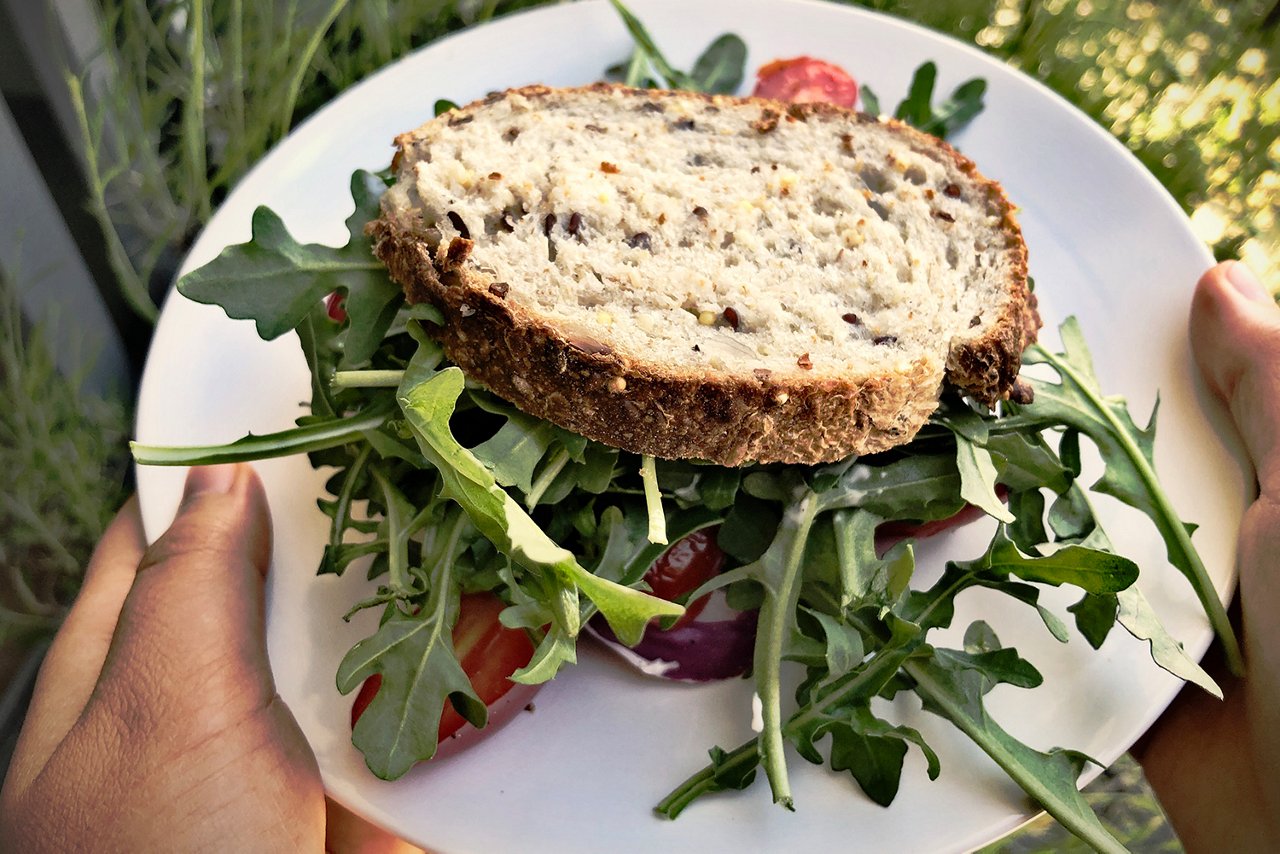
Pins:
<point x="617" y="384"/>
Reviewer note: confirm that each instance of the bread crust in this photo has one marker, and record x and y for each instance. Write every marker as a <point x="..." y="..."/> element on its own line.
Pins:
<point x="645" y="407"/>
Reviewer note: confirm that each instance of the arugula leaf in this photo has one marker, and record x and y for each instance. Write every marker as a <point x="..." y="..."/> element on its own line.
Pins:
<point x="322" y="348"/>
<point x="395" y="529"/>
<point x="428" y="406"/>
<point x="275" y="281"/>
<point x="644" y="42"/>
<point x="713" y="487"/>
<point x="1025" y="461"/>
<point x="317" y="435"/>
<point x="720" y="69"/>
<point x="514" y="452"/>
<point x="1076" y="401"/>
<point x="1139" y="620"/>
<point x="779" y="571"/>
<point x="627" y="553"/>
<point x="836" y="703"/>
<point x="414" y="653"/>
<point x="958" y="110"/>
<point x="749" y="527"/>
<point x="978" y="479"/>
<point x="557" y="649"/>
<point x="870" y="100"/>
<point x="1027" y="530"/>
<point x="872" y="750"/>
<point x="1095" y="616"/>
<point x="921" y="488"/>
<point x="1093" y="570"/>
<point x="977" y="469"/>
<point x="953" y="690"/>
<point x="917" y="108"/>
<point x="732" y="770"/>
<point x="442" y="106"/>
<point x="844" y="648"/>
<point x="980" y="637"/>
<point x="993" y="667"/>
<point x="861" y="570"/>
<point x="593" y="474"/>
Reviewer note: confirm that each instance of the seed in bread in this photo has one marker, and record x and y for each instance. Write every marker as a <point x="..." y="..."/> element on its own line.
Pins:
<point x="721" y="278"/>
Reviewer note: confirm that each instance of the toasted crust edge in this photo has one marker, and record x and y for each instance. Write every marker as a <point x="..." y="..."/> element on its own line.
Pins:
<point x="638" y="406"/>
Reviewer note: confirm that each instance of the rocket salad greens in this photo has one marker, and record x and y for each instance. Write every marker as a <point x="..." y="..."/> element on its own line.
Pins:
<point x="441" y="489"/>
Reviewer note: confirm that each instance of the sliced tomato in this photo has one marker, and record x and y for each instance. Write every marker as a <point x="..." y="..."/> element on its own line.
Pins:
<point x="684" y="567"/>
<point x="489" y="653"/>
<point x="805" y="80"/>
<point x="890" y="534"/>
<point x="336" y="305"/>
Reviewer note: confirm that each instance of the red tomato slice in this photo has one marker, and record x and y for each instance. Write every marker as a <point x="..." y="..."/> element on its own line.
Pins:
<point x="890" y="534"/>
<point x="684" y="567"/>
<point x="805" y="80"/>
<point x="336" y="305"/>
<point x="489" y="653"/>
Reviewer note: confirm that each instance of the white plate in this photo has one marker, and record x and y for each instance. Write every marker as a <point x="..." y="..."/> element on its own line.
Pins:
<point x="581" y="773"/>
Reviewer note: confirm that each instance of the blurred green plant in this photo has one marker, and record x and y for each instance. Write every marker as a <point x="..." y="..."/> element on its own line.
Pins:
<point x="1191" y="88"/>
<point x="186" y="96"/>
<point x="63" y="456"/>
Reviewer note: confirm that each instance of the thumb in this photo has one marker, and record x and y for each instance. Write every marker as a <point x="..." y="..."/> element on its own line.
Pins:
<point x="192" y="624"/>
<point x="1235" y="335"/>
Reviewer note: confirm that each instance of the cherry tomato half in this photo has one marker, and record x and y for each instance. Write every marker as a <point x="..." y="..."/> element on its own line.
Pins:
<point x="890" y="534"/>
<point x="684" y="567"/>
<point x="489" y="653"/>
<point x="805" y="80"/>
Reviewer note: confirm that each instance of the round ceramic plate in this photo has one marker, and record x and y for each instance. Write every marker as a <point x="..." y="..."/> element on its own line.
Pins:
<point x="582" y="772"/>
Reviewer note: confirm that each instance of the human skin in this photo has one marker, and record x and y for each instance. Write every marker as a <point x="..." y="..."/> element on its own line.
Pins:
<point x="1216" y="765"/>
<point x="155" y="724"/>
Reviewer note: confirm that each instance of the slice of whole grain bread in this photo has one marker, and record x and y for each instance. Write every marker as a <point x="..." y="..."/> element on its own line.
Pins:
<point x="688" y="276"/>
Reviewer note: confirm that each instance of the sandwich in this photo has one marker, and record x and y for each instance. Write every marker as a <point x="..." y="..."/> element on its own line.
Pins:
<point x="614" y="318"/>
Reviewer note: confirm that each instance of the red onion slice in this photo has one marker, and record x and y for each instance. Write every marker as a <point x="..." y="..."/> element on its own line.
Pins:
<point x="698" y="651"/>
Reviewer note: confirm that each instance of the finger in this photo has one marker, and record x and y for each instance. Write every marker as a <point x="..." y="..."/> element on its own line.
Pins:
<point x="347" y="833"/>
<point x="190" y="646"/>
<point x="74" y="660"/>
<point x="1235" y="335"/>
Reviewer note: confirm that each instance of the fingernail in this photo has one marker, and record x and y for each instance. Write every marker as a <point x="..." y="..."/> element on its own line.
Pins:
<point x="210" y="480"/>
<point x="1246" y="283"/>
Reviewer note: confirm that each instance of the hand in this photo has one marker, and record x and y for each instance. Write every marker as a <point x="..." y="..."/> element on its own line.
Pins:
<point x="1216" y="765"/>
<point x="155" y="724"/>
